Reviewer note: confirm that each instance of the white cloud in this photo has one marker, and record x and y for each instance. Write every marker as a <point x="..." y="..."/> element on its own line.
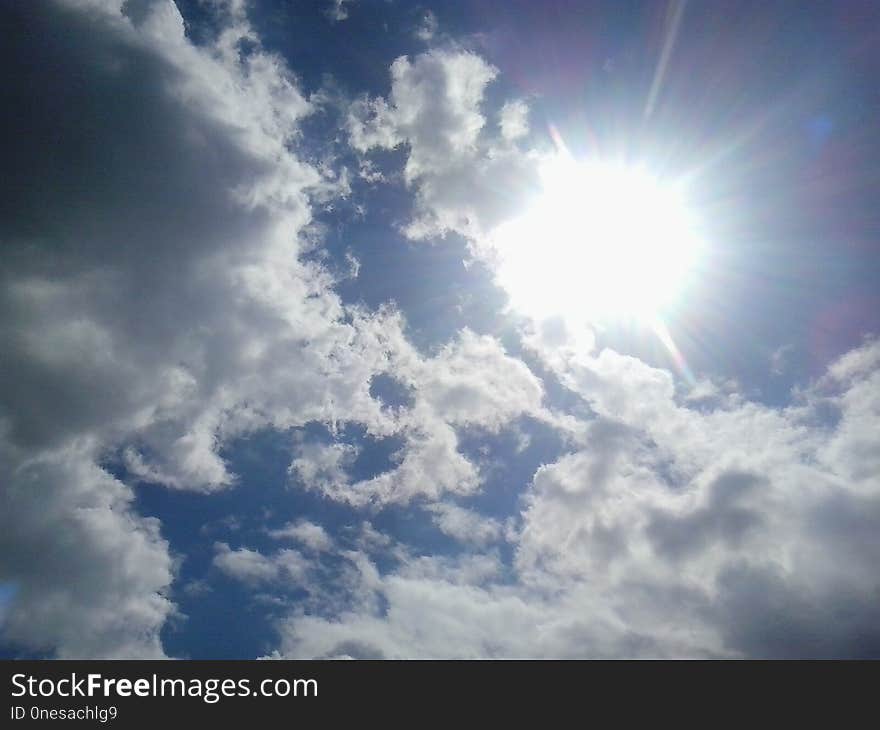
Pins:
<point x="737" y="491"/>
<point x="338" y="10"/>
<point x="371" y="124"/>
<point x="428" y="27"/>
<point x="254" y="568"/>
<point x="154" y="303"/>
<point x="465" y="180"/>
<point x="307" y="533"/>
<point x="429" y="465"/>
<point x="735" y="531"/>
<point x="854" y="449"/>
<point x="322" y="467"/>
<point x="152" y="300"/>
<point x="244" y="564"/>
<point x="91" y="577"/>
<point x="470" y="381"/>
<point x="466" y="525"/>
<point x="442" y="608"/>
<point x="514" y="120"/>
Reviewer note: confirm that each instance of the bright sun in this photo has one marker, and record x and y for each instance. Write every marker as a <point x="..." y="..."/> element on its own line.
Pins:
<point x="602" y="242"/>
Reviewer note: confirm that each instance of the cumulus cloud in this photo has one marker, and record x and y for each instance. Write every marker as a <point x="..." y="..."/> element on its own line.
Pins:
<point x="723" y="497"/>
<point x="465" y="179"/>
<point x="156" y="303"/>
<point x="514" y="120"/>
<point x="436" y="607"/>
<point x="466" y="525"/>
<point x="469" y="382"/>
<point x="173" y="268"/>
<point x="474" y="382"/>
<point x="427" y="28"/>
<point x="853" y="392"/>
<point x="682" y="522"/>
<point x="90" y="577"/>
<point x="254" y="568"/>
<point x="307" y="533"/>
<point x="338" y="10"/>
<point x="153" y="302"/>
<point x="738" y="530"/>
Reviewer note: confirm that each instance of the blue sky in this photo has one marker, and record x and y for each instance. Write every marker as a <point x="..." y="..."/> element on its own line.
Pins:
<point x="269" y="386"/>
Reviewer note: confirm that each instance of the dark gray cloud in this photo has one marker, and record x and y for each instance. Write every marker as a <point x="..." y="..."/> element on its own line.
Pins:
<point x="766" y="614"/>
<point x="149" y="225"/>
<point x="722" y="518"/>
<point x="118" y="195"/>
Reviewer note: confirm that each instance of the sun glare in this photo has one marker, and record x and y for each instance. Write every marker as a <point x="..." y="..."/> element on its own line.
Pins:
<point x="602" y="242"/>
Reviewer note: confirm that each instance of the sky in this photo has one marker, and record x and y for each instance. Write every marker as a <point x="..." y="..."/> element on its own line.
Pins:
<point x="377" y="329"/>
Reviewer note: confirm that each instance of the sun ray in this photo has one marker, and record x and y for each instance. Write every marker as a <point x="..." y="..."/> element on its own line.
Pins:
<point x="658" y="326"/>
